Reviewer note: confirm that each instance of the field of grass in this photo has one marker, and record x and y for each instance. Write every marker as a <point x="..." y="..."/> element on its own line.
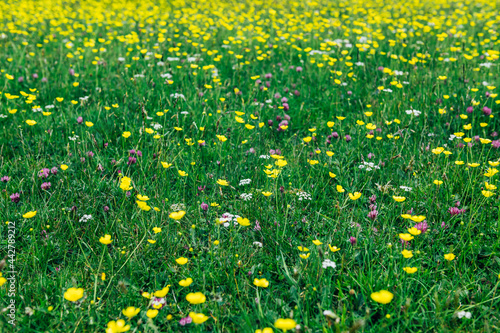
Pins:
<point x="250" y="166"/>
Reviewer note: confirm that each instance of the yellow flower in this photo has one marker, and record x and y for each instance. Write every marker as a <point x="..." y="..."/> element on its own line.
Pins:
<point x="330" y="153"/>
<point x="156" y="230"/>
<point x="105" y="240"/>
<point x="281" y="163"/>
<point x="491" y="172"/>
<point x="355" y="196"/>
<point x="473" y="165"/>
<point x="163" y="292"/>
<point x="414" y="231"/>
<point x="382" y="296"/>
<point x="307" y="139"/>
<point x="142" y="197"/>
<point x="417" y="218"/>
<point x="64" y="167"/>
<point x="89" y="124"/>
<point x="59" y="99"/>
<point x="221" y="138"/>
<point x="317" y="242"/>
<point x="410" y="270"/>
<point x="407" y="254"/>
<point x="182" y="173"/>
<point x="399" y="199"/>
<point x="264" y="330"/>
<point x="248" y="126"/>
<point x="490" y="186"/>
<point x="126" y="134"/>
<point x="117" y="327"/>
<point x="285" y="324"/>
<point x="304" y="256"/>
<point x="459" y="162"/>
<point x="151" y="241"/>
<point x="222" y="182"/>
<point x="195" y="298"/>
<point x="131" y="312"/>
<point x="151" y="313"/>
<point x="332" y="175"/>
<point x="29" y="215"/>
<point x="406" y="237"/>
<point x="243" y="221"/>
<point x="166" y="165"/>
<point x="181" y="261"/>
<point x="186" y="283"/>
<point x="267" y="193"/>
<point x="330" y="124"/>
<point x="487" y="194"/>
<point x="30" y="122"/>
<point x="449" y="256"/>
<point x="198" y="318"/>
<point x="303" y="248"/>
<point x="340" y="189"/>
<point x="438" y="182"/>
<point x="333" y="248"/>
<point x="73" y="294"/>
<point x="263" y="283"/>
<point x="177" y="215"/>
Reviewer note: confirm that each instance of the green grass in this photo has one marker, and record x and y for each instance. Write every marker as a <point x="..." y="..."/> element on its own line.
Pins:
<point x="441" y="61"/>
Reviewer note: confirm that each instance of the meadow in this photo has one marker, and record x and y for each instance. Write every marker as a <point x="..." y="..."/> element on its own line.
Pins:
<point x="252" y="166"/>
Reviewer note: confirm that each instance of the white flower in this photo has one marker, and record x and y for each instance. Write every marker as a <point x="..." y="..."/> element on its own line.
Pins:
<point x="304" y="196"/>
<point x="49" y="106"/>
<point x="406" y="188"/>
<point x="265" y="157"/>
<point x="121" y="59"/>
<point x="465" y="314"/>
<point x="245" y="182"/>
<point x="416" y="113"/>
<point x="486" y="64"/>
<point x="173" y="59"/>
<point x="85" y="218"/>
<point x="166" y="75"/>
<point x="259" y="244"/>
<point x="328" y="263"/>
<point x="176" y="95"/>
<point x="246" y="196"/>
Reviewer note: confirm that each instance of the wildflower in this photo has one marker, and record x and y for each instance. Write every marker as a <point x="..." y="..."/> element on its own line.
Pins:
<point x="243" y="221"/>
<point x="222" y="182"/>
<point x="151" y="313"/>
<point x="410" y="270"/>
<point x="317" y="242"/>
<point x="407" y="254"/>
<point x="303" y="248"/>
<point x="195" y="298"/>
<point x="328" y="263"/>
<point x="406" y="237"/>
<point x="304" y="256"/>
<point x="131" y="312"/>
<point x="106" y="240"/>
<point x="46" y="186"/>
<point x="185" y="321"/>
<point x="449" y="256"/>
<point x="266" y="193"/>
<point x="181" y="261"/>
<point x="333" y="248"/>
<point x="263" y="283"/>
<point x="29" y="215"/>
<point x="354" y="196"/>
<point x="198" y="318"/>
<point x="285" y="324"/>
<point x="464" y="314"/>
<point x="382" y="296"/>
<point x="353" y="240"/>
<point x="73" y="294"/>
<point x="158" y="302"/>
<point x="117" y="326"/>
<point x="177" y="215"/>
<point x="414" y="231"/>
<point x="340" y="189"/>
<point x="399" y="199"/>
<point x="186" y="282"/>
<point x="15" y="197"/>
<point x="126" y="134"/>
<point x="264" y="330"/>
